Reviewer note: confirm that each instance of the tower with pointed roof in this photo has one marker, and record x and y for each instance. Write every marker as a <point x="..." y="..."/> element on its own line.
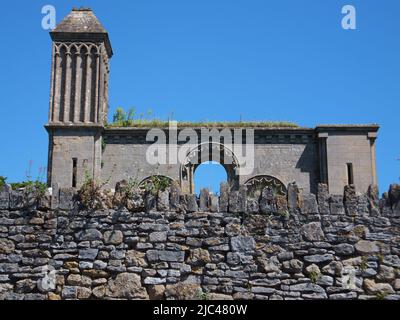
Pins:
<point x="78" y="95"/>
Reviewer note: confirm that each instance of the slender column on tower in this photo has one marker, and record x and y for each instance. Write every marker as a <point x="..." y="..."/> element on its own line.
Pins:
<point x="78" y="85"/>
<point x="67" y="90"/>
<point x="88" y="82"/>
<point x="96" y="91"/>
<point x="57" y="85"/>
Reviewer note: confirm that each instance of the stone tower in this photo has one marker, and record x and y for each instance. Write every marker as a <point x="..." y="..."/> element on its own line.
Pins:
<point x="78" y="97"/>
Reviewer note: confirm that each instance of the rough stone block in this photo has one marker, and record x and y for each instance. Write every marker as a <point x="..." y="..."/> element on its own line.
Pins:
<point x="163" y="200"/>
<point x="224" y="197"/>
<point x="88" y="254"/>
<point x="267" y="201"/>
<point x="5" y="197"/>
<point x="191" y="203"/>
<point x="150" y="202"/>
<point x="175" y="194"/>
<point x="214" y="203"/>
<point x="242" y="198"/>
<point x="66" y="198"/>
<point x="234" y="201"/>
<point x="350" y="200"/>
<point x="204" y="199"/>
<point x="293" y="194"/>
<point x="394" y="197"/>
<point x="16" y="200"/>
<point x="308" y="203"/>
<point x="242" y="243"/>
<point x="323" y="198"/>
<point x="312" y="231"/>
<point x="252" y="206"/>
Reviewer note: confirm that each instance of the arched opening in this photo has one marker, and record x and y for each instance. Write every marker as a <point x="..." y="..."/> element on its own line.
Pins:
<point x="209" y="175"/>
<point x="211" y="151"/>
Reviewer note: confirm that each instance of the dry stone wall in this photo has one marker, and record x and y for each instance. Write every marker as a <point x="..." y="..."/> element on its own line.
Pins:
<point x="302" y="246"/>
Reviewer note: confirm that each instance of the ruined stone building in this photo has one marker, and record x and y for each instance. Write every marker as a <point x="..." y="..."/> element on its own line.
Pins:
<point x="80" y="140"/>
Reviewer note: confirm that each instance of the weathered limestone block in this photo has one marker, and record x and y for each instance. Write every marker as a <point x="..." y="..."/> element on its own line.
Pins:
<point x="367" y="247"/>
<point x="5" y="197"/>
<point x="214" y="203"/>
<point x="163" y="200"/>
<point x="83" y="293"/>
<point x="150" y="202"/>
<point x="242" y="198"/>
<point x="164" y="255"/>
<point x="126" y="285"/>
<point x="113" y="237"/>
<point x="350" y="200"/>
<point x="191" y="203"/>
<point x="281" y="205"/>
<point x="373" y="198"/>
<point x="25" y="286"/>
<point x="307" y="287"/>
<point x="44" y="202"/>
<point x="293" y="197"/>
<point x="267" y="201"/>
<point x="219" y="296"/>
<point x="386" y="273"/>
<point x="252" y="206"/>
<point x="319" y="258"/>
<point x="16" y="200"/>
<point x="344" y="249"/>
<point x="156" y="292"/>
<point x="88" y="235"/>
<point x="312" y="231"/>
<point x="234" y="201"/>
<point x="204" y="199"/>
<point x="293" y="266"/>
<point x="175" y="194"/>
<point x="242" y="243"/>
<point x="224" y="197"/>
<point x="199" y="257"/>
<point x="69" y="292"/>
<point x="6" y="246"/>
<point x="66" y="198"/>
<point x="158" y="236"/>
<point x="323" y="198"/>
<point x="394" y="197"/>
<point x="313" y="270"/>
<point x="336" y="205"/>
<point x="183" y="291"/>
<point x="55" y="195"/>
<point x="308" y="203"/>
<point x="377" y="288"/>
<point x="88" y="254"/>
<point x="135" y="259"/>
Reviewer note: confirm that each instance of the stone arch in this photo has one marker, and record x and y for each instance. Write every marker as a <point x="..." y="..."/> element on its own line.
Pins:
<point x="256" y="184"/>
<point x="208" y="151"/>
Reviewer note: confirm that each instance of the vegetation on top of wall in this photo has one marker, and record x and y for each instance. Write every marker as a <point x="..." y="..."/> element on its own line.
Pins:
<point x="32" y="185"/>
<point x="157" y="183"/>
<point x="127" y="119"/>
<point x="89" y="194"/>
<point x="2" y="181"/>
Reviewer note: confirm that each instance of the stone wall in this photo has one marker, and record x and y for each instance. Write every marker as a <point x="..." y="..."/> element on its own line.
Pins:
<point x="182" y="247"/>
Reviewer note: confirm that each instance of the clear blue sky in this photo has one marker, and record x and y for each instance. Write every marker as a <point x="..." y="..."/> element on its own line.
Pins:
<point x="215" y="60"/>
